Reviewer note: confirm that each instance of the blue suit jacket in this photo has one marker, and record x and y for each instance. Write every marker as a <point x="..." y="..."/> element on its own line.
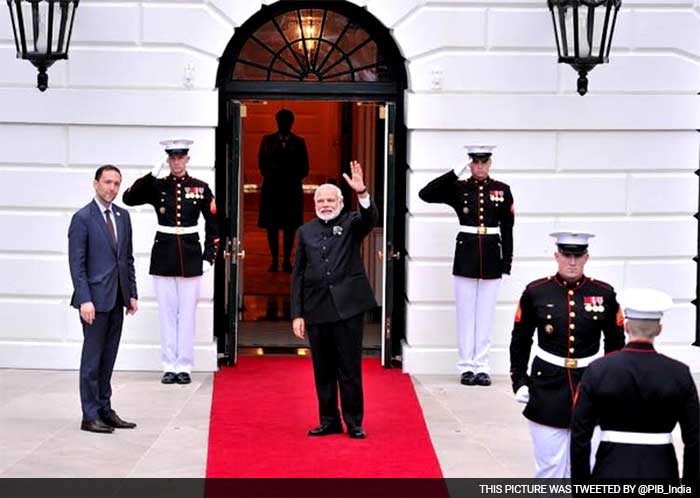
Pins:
<point x="97" y="267"/>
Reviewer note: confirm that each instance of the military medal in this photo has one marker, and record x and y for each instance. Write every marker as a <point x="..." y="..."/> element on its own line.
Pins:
<point x="593" y="303"/>
<point x="549" y="328"/>
<point x="337" y="230"/>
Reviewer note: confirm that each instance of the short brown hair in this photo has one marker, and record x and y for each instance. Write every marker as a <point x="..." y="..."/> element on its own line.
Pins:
<point x="643" y="329"/>
<point x="106" y="167"/>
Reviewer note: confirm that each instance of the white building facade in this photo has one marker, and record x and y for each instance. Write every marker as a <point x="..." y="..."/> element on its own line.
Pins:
<point x="618" y="162"/>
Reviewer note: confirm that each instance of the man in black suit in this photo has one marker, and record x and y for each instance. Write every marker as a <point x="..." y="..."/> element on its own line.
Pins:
<point x="637" y="396"/>
<point x="101" y="260"/>
<point x="330" y="294"/>
<point x="284" y="162"/>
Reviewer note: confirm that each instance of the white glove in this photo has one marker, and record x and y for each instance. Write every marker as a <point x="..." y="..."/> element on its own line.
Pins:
<point x="522" y="395"/>
<point x="459" y="170"/>
<point x="157" y="168"/>
<point x="206" y="266"/>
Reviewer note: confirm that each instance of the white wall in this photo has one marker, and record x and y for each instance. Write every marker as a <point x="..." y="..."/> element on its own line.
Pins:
<point x="618" y="161"/>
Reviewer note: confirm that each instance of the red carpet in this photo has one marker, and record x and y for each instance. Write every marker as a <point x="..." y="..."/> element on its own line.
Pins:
<point x="263" y="407"/>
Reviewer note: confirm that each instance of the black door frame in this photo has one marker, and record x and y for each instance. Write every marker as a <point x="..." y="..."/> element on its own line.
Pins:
<point x="391" y="91"/>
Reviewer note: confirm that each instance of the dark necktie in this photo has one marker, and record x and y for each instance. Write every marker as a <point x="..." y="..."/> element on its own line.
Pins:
<point x="110" y="228"/>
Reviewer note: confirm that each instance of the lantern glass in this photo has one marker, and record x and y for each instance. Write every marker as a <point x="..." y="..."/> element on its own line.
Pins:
<point x="583" y="30"/>
<point x="42" y="28"/>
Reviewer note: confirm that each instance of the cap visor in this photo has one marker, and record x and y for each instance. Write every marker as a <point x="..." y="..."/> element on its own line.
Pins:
<point x="572" y="249"/>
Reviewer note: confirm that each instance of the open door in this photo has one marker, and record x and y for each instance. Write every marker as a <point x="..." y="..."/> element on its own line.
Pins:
<point x="233" y="251"/>
<point x="390" y="256"/>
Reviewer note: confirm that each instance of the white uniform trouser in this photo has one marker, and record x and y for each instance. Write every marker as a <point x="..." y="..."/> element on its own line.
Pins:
<point x="553" y="449"/>
<point x="177" y="302"/>
<point x="476" y="303"/>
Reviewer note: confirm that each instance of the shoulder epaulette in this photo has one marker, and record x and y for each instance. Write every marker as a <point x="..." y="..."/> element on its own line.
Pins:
<point x="538" y="282"/>
<point x="602" y="284"/>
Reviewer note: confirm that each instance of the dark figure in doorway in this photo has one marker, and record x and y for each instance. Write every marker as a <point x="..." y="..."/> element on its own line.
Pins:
<point x="284" y="163"/>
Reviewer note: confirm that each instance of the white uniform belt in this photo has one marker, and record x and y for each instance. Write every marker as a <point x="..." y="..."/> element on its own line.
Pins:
<point x="177" y="230"/>
<point x="564" y="362"/>
<point x="636" y="437"/>
<point x="480" y="230"/>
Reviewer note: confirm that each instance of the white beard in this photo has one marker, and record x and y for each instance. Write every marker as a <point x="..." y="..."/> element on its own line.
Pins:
<point x="329" y="216"/>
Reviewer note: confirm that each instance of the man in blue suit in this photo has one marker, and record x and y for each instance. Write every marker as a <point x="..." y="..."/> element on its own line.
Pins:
<point x="101" y="261"/>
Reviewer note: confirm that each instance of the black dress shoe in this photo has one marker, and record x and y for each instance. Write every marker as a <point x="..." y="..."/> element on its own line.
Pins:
<point x="113" y="420"/>
<point x="468" y="379"/>
<point x="169" y="378"/>
<point x="357" y="433"/>
<point x="326" y="429"/>
<point x="287" y="267"/>
<point x="183" y="378"/>
<point x="95" y="426"/>
<point x="482" y="379"/>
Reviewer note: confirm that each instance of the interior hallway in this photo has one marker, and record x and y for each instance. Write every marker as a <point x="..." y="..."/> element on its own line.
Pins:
<point x="476" y="431"/>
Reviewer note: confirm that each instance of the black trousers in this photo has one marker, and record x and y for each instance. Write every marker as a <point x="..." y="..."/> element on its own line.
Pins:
<point x="336" y="352"/>
<point x="273" y="242"/>
<point x="100" y="346"/>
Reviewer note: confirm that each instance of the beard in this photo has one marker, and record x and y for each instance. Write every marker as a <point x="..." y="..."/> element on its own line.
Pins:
<point x="329" y="216"/>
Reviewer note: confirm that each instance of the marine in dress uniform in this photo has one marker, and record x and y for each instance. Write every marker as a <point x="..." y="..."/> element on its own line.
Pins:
<point x="483" y="253"/>
<point x="329" y="296"/>
<point x="177" y="260"/>
<point x="569" y="311"/>
<point x="637" y="396"/>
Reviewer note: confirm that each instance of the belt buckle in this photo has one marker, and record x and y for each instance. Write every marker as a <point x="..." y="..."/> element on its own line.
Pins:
<point x="179" y="230"/>
<point x="571" y="363"/>
<point x="481" y="230"/>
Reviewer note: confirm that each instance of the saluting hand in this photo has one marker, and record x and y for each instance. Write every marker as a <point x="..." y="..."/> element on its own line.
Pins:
<point x="356" y="180"/>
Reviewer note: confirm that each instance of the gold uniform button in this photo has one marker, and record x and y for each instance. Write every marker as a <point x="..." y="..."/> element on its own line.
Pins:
<point x="572" y="338"/>
<point x="571" y="325"/>
<point x="481" y="209"/>
<point x="481" y="187"/>
<point x="571" y="350"/>
<point x="549" y="317"/>
<point x="572" y="303"/>
<point x="595" y="317"/>
<point x="481" y="217"/>
<point x="178" y="223"/>
<point x="572" y="314"/>
<point x="571" y="293"/>
<point x="178" y="215"/>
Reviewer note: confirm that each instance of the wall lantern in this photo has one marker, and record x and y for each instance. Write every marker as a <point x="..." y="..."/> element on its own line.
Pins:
<point x="42" y="30"/>
<point x="583" y="30"/>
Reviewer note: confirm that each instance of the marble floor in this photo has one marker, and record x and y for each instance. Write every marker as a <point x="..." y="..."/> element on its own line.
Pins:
<point x="476" y="431"/>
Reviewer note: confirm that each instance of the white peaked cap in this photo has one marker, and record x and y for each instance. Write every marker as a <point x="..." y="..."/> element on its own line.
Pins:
<point x="479" y="149"/>
<point x="179" y="144"/>
<point x="644" y="304"/>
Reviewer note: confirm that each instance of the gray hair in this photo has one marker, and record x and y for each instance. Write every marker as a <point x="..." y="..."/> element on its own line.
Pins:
<point x="335" y="188"/>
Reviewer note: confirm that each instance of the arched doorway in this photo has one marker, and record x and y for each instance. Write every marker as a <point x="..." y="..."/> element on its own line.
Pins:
<point x="335" y="58"/>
